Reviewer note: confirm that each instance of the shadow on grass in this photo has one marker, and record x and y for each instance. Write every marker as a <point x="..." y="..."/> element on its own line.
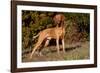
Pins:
<point x="54" y="49"/>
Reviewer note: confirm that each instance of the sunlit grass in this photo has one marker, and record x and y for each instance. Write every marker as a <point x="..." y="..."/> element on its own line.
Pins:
<point x="74" y="51"/>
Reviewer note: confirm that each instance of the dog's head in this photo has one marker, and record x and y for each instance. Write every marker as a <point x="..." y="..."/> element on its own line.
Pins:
<point x="59" y="19"/>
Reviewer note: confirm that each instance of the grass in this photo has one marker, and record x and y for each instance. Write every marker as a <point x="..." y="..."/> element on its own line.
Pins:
<point x="75" y="51"/>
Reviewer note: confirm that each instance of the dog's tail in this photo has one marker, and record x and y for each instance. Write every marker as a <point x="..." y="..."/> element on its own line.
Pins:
<point x="35" y="36"/>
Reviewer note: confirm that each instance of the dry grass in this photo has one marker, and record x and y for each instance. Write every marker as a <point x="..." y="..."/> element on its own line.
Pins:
<point x="76" y="51"/>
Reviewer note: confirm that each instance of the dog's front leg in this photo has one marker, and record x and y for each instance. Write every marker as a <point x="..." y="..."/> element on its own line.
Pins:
<point x="63" y="44"/>
<point x="57" y="43"/>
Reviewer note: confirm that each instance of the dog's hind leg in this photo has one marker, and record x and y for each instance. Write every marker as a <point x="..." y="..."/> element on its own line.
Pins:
<point x="40" y="40"/>
<point x="46" y="43"/>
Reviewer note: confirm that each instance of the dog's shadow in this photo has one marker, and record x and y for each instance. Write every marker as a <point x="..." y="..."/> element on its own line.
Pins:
<point x="67" y="49"/>
<point x="72" y="47"/>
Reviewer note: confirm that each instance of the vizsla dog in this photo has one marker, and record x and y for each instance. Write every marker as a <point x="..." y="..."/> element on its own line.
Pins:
<point x="57" y="33"/>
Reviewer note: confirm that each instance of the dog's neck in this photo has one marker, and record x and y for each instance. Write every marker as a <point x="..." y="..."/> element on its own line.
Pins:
<point x="62" y="25"/>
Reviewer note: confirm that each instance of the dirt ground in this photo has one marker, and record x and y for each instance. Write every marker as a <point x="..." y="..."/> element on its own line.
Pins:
<point x="75" y="51"/>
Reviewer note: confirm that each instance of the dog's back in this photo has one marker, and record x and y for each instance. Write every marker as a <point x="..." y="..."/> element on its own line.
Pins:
<point x="52" y="32"/>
